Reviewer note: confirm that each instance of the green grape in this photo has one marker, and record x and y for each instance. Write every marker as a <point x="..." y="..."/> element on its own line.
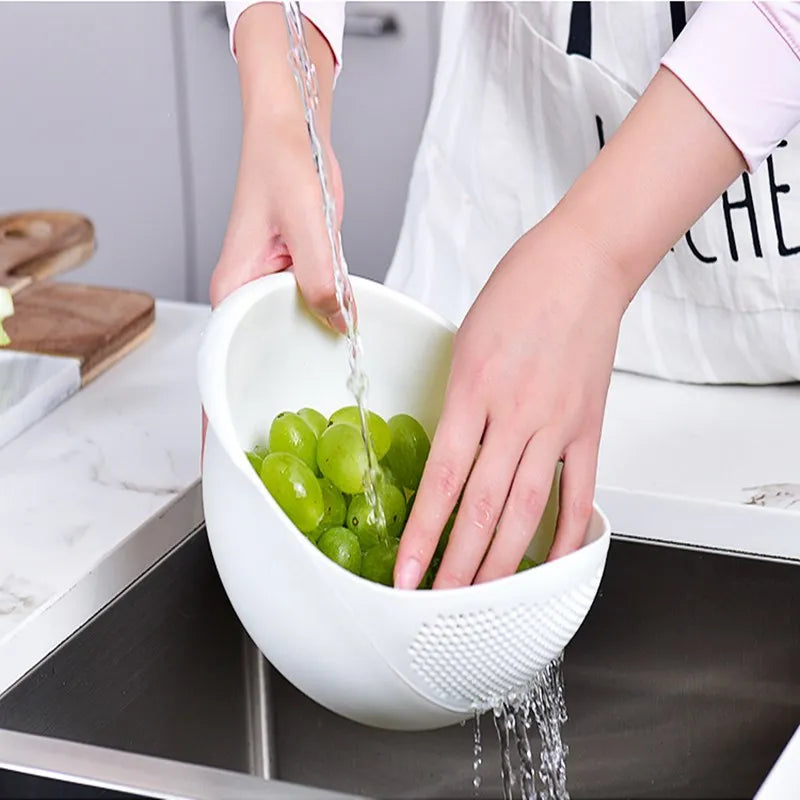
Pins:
<point x="393" y="505"/>
<point x="256" y="455"/>
<point x="430" y="574"/>
<point x="378" y="429"/>
<point x="546" y="530"/>
<point x="377" y="564"/>
<point x="527" y="563"/>
<point x="445" y="537"/>
<point x="295" y="489"/>
<point x="255" y="459"/>
<point x="410" y="498"/>
<point x="290" y="433"/>
<point x="342" y="457"/>
<point x="341" y="546"/>
<point x="408" y="451"/>
<point x="362" y="520"/>
<point x="388" y="477"/>
<point x="334" y="509"/>
<point x="314" y="420"/>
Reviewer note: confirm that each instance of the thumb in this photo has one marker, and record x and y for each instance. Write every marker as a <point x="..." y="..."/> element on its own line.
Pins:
<point x="312" y="260"/>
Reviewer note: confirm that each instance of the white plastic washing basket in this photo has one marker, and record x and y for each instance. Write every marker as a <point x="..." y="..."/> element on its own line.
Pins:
<point x="383" y="657"/>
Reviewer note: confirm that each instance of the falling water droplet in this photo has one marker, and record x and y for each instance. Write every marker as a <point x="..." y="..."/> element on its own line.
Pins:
<point x="477" y="750"/>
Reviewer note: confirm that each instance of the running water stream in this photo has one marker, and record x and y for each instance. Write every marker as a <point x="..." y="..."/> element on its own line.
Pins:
<point x="541" y="704"/>
<point x="306" y="77"/>
<point x="543" y="701"/>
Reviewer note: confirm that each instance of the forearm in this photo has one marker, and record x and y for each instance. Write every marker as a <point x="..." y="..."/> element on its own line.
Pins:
<point x="667" y="163"/>
<point x="270" y="96"/>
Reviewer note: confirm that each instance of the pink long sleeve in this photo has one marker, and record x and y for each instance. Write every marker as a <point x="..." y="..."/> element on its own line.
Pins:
<point x="327" y="17"/>
<point x="742" y="61"/>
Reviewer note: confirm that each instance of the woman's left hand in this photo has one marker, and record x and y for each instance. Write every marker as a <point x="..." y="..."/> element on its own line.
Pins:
<point x="528" y="383"/>
<point x="532" y="361"/>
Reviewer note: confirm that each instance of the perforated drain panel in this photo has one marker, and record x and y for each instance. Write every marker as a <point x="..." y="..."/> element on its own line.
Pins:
<point x="477" y="657"/>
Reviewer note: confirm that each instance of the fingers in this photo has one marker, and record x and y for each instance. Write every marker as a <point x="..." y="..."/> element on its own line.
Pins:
<point x="449" y="462"/>
<point x="308" y="242"/>
<point x="480" y="509"/>
<point x="278" y="222"/>
<point x="251" y="251"/>
<point x="576" y="498"/>
<point x="523" y="511"/>
<point x="336" y="320"/>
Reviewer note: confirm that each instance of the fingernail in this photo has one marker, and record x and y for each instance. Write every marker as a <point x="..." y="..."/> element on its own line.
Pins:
<point x="409" y="575"/>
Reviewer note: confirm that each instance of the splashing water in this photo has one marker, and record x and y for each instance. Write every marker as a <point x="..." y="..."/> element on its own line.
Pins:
<point x="306" y="78"/>
<point x="550" y="711"/>
<point x="504" y="724"/>
<point x="477" y="758"/>
<point x="542" y="703"/>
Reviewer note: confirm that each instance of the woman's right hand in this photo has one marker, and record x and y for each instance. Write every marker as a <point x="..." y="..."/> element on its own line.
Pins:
<point x="276" y="222"/>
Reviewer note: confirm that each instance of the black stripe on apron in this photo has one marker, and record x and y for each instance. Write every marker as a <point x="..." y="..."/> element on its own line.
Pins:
<point x="579" y="41"/>
<point x="677" y="13"/>
<point x="580" y="30"/>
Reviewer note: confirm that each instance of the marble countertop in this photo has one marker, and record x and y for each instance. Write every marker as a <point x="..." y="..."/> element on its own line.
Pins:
<point x="98" y="490"/>
<point x="715" y="467"/>
<point x="106" y="484"/>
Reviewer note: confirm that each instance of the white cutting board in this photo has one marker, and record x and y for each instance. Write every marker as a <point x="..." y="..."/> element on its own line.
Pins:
<point x="31" y="386"/>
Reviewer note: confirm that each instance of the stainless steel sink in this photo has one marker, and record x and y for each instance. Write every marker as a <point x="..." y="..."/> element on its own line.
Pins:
<point x="684" y="682"/>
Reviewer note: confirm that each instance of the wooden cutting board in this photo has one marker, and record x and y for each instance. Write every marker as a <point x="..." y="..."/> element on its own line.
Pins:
<point x="95" y="325"/>
<point x="35" y="245"/>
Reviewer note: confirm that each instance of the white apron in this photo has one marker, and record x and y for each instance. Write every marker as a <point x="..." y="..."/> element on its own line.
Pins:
<point x="524" y="96"/>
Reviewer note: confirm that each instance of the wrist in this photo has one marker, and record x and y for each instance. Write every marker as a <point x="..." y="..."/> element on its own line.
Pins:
<point x="628" y="204"/>
<point x="270" y="96"/>
<point x="590" y="262"/>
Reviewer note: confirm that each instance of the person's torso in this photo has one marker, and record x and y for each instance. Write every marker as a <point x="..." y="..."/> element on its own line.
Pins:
<point x="525" y="96"/>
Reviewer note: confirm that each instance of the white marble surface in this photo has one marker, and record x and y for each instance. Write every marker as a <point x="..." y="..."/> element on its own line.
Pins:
<point x="80" y="483"/>
<point x="708" y="466"/>
<point x="721" y="442"/>
<point x="31" y="386"/>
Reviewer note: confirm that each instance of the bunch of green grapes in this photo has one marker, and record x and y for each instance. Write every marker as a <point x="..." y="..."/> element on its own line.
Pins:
<point x="315" y="467"/>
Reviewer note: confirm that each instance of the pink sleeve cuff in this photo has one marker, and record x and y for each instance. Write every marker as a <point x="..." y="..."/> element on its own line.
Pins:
<point x="327" y="17"/>
<point x="741" y="60"/>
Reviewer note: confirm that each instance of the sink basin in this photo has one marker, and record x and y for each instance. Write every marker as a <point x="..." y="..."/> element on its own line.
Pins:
<point x="683" y="682"/>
